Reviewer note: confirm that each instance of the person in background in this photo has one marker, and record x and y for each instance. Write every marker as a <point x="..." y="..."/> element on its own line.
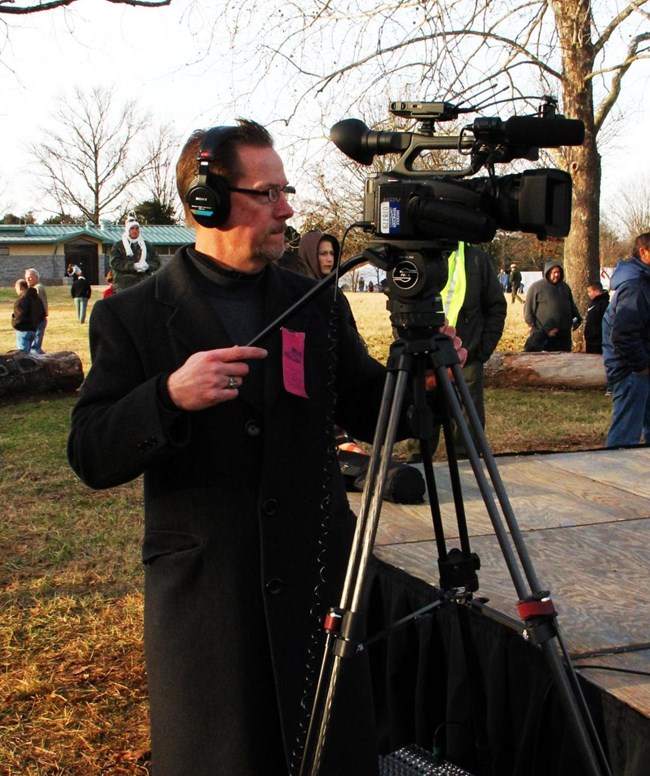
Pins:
<point x="72" y="270"/>
<point x="504" y="280"/>
<point x="514" y="281"/>
<point x="474" y="304"/>
<point x="132" y="258"/>
<point x="109" y="290"/>
<point x="626" y="347"/>
<point x="320" y="252"/>
<point x="32" y="278"/>
<point x="598" y="301"/>
<point x="80" y="291"/>
<point x="550" y="311"/>
<point x="247" y="525"/>
<point x="27" y="315"/>
<point x="290" y="259"/>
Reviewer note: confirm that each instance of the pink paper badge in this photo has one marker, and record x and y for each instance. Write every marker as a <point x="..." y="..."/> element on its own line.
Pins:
<point x="293" y="362"/>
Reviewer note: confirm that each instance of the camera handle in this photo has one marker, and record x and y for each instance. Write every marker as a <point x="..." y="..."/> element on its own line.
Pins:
<point x="344" y="638"/>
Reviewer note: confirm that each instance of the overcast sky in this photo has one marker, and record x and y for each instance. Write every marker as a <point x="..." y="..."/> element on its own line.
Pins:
<point x="175" y="66"/>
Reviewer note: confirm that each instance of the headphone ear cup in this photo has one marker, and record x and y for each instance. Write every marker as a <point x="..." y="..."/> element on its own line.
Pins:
<point x="209" y="200"/>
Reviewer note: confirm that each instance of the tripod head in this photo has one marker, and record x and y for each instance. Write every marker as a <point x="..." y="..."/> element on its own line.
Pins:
<point x="416" y="273"/>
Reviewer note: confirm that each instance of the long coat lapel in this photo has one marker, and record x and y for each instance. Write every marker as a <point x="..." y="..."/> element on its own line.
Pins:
<point x="192" y="325"/>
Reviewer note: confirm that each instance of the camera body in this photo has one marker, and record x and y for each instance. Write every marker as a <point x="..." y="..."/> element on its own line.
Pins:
<point x="406" y="208"/>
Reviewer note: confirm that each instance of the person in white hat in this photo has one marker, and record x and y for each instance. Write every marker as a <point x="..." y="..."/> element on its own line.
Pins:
<point x="132" y="259"/>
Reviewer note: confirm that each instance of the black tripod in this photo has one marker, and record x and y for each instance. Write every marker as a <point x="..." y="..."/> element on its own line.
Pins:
<point x="420" y="347"/>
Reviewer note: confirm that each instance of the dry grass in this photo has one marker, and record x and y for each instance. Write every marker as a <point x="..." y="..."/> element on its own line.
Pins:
<point x="71" y="666"/>
<point x="518" y="420"/>
<point x="374" y="324"/>
<point x="72" y="684"/>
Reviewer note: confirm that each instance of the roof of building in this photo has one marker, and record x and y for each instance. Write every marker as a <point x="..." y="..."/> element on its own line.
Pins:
<point x="108" y="233"/>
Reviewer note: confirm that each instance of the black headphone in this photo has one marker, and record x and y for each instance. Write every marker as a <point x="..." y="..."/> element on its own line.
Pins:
<point x="209" y="195"/>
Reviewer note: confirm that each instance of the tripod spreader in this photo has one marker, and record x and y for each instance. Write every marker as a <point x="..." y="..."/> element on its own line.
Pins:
<point x="458" y="570"/>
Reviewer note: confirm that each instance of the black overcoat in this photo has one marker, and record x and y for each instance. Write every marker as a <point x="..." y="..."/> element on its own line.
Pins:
<point x="243" y="508"/>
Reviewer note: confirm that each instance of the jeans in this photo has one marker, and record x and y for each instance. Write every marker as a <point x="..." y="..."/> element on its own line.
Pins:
<point x="631" y="414"/>
<point x="24" y="340"/>
<point x="81" y="304"/>
<point x="37" y="344"/>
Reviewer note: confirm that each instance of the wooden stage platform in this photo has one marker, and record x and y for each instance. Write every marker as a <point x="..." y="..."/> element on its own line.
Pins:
<point x="585" y="518"/>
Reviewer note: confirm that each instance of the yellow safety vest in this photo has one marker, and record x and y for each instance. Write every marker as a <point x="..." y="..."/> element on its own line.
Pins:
<point x="453" y="294"/>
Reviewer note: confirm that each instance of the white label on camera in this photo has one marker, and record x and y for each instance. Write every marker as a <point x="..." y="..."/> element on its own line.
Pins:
<point x="390" y="217"/>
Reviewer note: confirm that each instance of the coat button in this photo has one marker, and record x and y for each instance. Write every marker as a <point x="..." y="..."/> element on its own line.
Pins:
<point x="252" y="428"/>
<point x="270" y="507"/>
<point x="274" y="586"/>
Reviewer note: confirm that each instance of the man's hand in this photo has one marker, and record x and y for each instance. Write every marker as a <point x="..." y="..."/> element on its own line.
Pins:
<point x="210" y="377"/>
<point x="450" y="331"/>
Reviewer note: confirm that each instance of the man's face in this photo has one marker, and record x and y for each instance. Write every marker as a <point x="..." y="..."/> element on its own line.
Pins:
<point x="31" y="278"/>
<point x="134" y="232"/>
<point x="17" y="288"/>
<point x="592" y="293"/>
<point x="555" y="275"/>
<point x="326" y="256"/>
<point x="253" y="235"/>
<point x="644" y="255"/>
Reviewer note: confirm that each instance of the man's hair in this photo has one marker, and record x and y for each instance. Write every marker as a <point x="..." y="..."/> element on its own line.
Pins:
<point x="596" y="285"/>
<point x="642" y="241"/>
<point x="226" y="161"/>
<point x="32" y="271"/>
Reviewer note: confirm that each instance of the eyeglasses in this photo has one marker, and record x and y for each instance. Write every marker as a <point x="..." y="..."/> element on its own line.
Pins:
<point x="272" y="193"/>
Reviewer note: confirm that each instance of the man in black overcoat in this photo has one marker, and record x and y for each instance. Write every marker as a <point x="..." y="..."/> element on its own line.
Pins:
<point x="247" y="526"/>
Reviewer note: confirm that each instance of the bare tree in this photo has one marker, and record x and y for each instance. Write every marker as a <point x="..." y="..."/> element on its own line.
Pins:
<point x="9" y="7"/>
<point x="158" y="183"/>
<point x="91" y="153"/>
<point x="580" y="50"/>
<point x="630" y="213"/>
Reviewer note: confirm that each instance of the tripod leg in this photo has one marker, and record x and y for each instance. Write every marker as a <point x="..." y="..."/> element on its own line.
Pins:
<point x="544" y="627"/>
<point x="343" y="639"/>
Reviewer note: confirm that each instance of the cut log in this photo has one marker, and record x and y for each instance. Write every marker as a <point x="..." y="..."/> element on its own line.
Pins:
<point x="26" y="374"/>
<point x="558" y="370"/>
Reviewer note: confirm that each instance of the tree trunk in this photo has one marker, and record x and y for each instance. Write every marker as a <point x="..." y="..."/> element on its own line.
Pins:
<point x="574" y="25"/>
<point x="549" y="370"/>
<point x="24" y="374"/>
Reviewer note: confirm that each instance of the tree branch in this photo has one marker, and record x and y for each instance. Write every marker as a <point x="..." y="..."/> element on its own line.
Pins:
<point x="323" y="81"/>
<point x="615" y="88"/>
<point x="49" y="5"/>
<point x="616" y="23"/>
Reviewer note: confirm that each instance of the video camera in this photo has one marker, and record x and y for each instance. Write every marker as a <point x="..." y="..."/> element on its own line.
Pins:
<point x="418" y="217"/>
<point x="405" y="204"/>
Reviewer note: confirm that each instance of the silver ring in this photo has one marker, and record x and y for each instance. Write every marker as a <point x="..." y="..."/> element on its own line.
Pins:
<point x="232" y="382"/>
